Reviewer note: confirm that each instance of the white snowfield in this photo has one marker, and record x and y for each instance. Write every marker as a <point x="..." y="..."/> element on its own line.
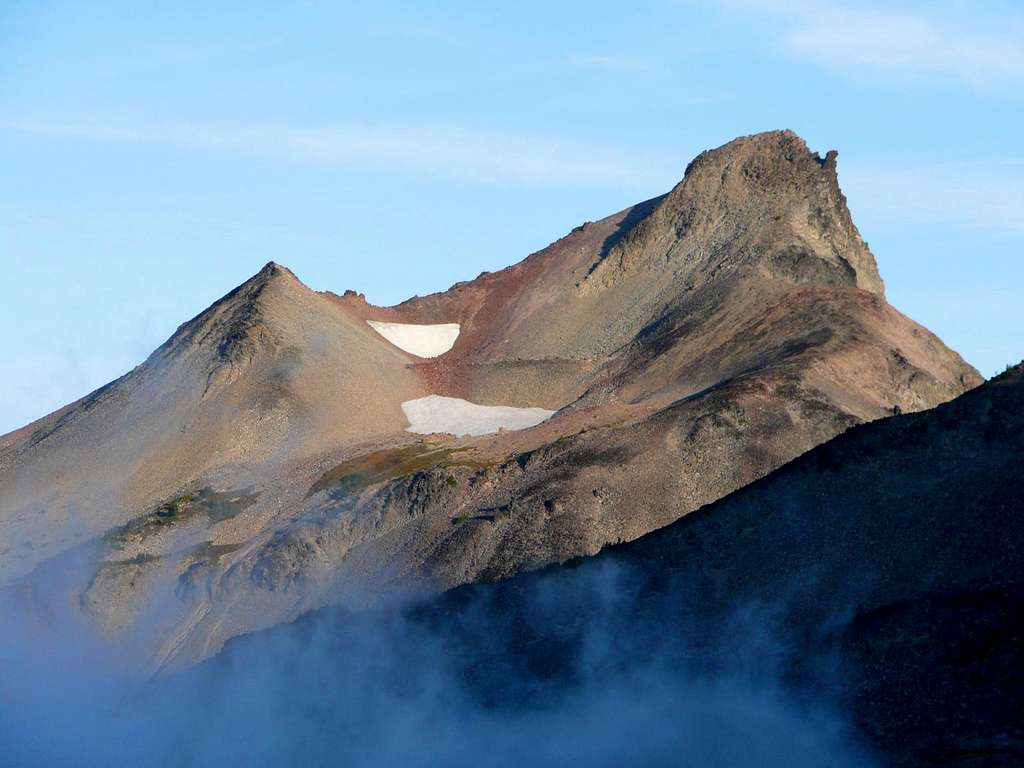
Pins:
<point x="459" y="417"/>
<point x="419" y="340"/>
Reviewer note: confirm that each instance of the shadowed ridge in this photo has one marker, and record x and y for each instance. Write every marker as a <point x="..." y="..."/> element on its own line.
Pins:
<point x="879" y="576"/>
<point x="886" y="567"/>
<point x="1013" y="374"/>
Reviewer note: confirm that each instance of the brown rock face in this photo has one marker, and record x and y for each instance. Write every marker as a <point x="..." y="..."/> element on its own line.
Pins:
<point x="690" y="344"/>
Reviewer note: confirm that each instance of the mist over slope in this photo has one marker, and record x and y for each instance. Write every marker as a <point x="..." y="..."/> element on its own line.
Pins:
<point x="859" y="606"/>
<point x="384" y="688"/>
<point x="258" y="464"/>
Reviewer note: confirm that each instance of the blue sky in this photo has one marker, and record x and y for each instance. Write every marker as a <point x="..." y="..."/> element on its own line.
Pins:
<point x="155" y="155"/>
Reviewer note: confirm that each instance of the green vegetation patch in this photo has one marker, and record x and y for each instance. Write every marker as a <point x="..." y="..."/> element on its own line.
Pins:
<point x="210" y="551"/>
<point x="205" y="504"/>
<point x="140" y="559"/>
<point x="359" y="473"/>
<point x="219" y="506"/>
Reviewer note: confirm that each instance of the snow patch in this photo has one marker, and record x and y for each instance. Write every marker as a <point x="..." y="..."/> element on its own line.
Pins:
<point x="459" y="417"/>
<point x="419" y="340"/>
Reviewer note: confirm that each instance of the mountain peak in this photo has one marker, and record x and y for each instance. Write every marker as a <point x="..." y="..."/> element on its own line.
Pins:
<point x="762" y="203"/>
<point x="784" y="140"/>
<point x="236" y="323"/>
<point x="272" y="271"/>
<point x="761" y="151"/>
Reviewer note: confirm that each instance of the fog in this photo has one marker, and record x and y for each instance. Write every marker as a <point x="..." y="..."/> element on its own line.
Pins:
<point x="563" y="669"/>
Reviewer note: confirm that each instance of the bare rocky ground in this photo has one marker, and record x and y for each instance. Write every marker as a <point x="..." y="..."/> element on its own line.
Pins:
<point x="256" y="465"/>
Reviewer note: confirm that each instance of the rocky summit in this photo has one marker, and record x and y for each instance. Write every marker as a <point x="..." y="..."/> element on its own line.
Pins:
<point x="289" y="449"/>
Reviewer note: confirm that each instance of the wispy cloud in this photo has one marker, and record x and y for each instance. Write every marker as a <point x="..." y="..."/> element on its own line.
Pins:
<point x="449" y="151"/>
<point x="984" y="195"/>
<point x="984" y="49"/>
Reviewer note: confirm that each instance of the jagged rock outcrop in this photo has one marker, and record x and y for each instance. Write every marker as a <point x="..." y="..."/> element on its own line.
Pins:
<point x="690" y="344"/>
<point x="763" y="203"/>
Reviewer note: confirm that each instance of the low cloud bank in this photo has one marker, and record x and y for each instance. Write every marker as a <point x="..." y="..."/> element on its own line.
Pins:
<point x="565" y="675"/>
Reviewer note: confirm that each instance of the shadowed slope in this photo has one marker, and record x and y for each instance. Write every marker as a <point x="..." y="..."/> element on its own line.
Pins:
<point x="880" y="575"/>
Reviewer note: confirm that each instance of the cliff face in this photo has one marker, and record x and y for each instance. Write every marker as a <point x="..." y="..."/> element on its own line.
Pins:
<point x="256" y="466"/>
